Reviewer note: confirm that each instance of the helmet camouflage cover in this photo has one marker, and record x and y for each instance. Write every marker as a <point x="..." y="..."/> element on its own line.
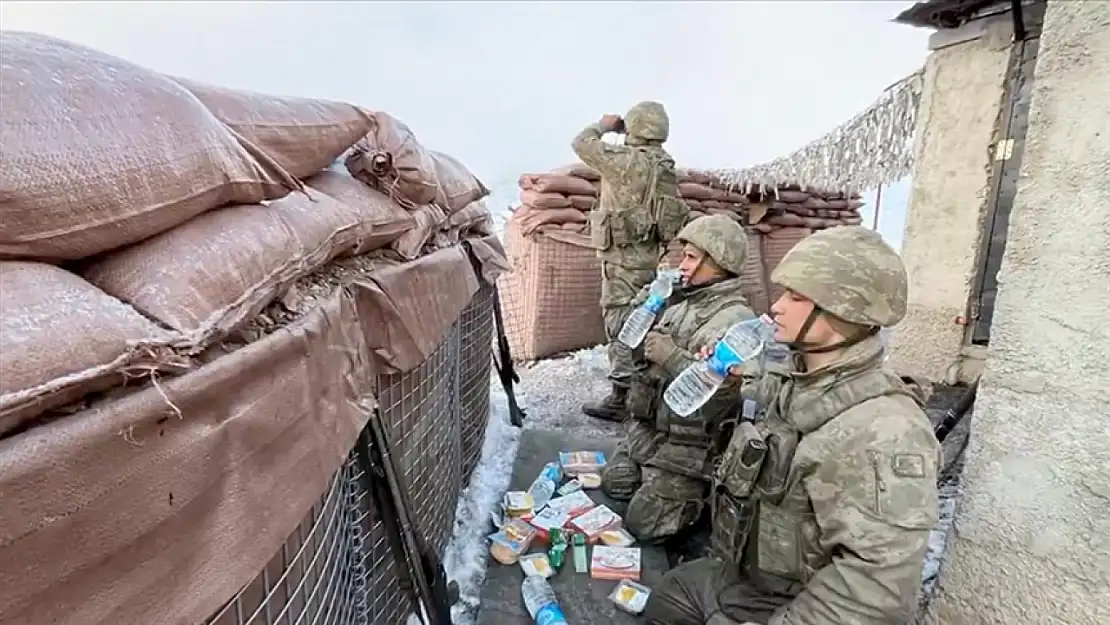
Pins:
<point x="850" y="272"/>
<point x="648" y="121"/>
<point x="721" y="238"/>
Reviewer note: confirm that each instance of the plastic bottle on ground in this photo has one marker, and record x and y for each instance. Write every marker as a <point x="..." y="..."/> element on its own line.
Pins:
<point x="543" y="487"/>
<point x="542" y="604"/>
<point x="636" y="327"/>
<point x="743" y="342"/>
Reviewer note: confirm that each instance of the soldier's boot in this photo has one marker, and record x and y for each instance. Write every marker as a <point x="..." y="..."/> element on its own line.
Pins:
<point x="613" y="407"/>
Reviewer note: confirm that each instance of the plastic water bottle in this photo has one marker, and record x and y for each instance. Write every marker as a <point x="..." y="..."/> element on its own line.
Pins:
<point x="543" y="487"/>
<point x="542" y="604"/>
<point x="639" y="322"/>
<point x="693" y="387"/>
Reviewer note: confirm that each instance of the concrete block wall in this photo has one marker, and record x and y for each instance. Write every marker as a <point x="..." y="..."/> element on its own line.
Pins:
<point x="965" y="81"/>
<point x="1032" y="537"/>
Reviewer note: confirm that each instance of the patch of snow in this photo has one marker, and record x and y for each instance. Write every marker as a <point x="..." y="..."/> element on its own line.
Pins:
<point x="938" y="538"/>
<point x="465" y="557"/>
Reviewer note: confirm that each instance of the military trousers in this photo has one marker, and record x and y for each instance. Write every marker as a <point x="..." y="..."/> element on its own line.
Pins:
<point x="619" y="286"/>
<point x="695" y="592"/>
<point x="660" y="503"/>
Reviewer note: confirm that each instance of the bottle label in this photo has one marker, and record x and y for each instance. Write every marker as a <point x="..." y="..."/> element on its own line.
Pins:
<point x="654" y="304"/>
<point x="550" y="614"/>
<point x="723" y="357"/>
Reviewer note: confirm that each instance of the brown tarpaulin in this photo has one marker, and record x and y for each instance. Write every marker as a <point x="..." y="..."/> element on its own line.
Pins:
<point x="158" y="506"/>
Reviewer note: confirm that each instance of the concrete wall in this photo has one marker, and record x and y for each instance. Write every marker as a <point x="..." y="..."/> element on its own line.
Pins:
<point x="1032" y="537"/>
<point x="960" y="111"/>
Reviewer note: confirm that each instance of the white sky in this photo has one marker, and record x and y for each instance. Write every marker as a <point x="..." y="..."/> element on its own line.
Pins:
<point x="504" y="86"/>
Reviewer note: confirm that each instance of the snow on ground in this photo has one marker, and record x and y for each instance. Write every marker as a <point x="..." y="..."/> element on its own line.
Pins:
<point x="551" y="392"/>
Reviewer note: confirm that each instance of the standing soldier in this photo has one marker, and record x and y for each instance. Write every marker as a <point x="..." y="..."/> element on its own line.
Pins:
<point x="822" y="509"/>
<point x="638" y="214"/>
<point x="664" y="463"/>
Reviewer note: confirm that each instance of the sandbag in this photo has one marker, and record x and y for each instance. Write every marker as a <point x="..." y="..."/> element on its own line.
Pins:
<point x="582" y="202"/>
<point x="474" y="219"/>
<point x="550" y="299"/>
<point x="392" y="160"/>
<point x="302" y="135"/>
<point x="381" y="220"/>
<point x="99" y="153"/>
<point x="578" y="170"/>
<point x="535" y="199"/>
<point x="558" y="183"/>
<point x="212" y="272"/>
<point x="695" y="191"/>
<point x="428" y="220"/>
<point x="60" y="338"/>
<point x="530" y="219"/>
<point x="457" y="187"/>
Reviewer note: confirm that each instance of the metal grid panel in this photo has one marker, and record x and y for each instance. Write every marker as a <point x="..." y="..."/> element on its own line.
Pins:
<point x="421" y="410"/>
<point x="476" y="335"/>
<point x="316" y="577"/>
<point x="336" y="568"/>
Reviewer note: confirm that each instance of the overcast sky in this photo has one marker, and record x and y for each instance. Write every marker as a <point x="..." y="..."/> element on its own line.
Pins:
<point x="504" y="86"/>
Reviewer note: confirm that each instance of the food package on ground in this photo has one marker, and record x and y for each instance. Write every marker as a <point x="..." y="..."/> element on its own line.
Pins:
<point x="573" y="504"/>
<point x="589" y="481"/>
<point x="537" y="565"/>
<point x="547" y="520"/>
<point x="618" y="537"/>
<point x="615" y="562"/>
<point x="578" y="462"/>
<point x="630" y="596"/>
<point x="596" y="521"/>
<point x="507" y="545"/>
<point x="573" y="486"/>
<point x="518" y="503"/>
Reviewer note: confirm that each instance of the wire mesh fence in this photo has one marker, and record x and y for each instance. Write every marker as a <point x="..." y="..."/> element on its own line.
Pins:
<point x="336" y="567"/>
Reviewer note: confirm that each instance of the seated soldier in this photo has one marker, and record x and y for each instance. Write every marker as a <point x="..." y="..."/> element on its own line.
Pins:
<point x="822" y="508"/>
<point x="664" y="462"/>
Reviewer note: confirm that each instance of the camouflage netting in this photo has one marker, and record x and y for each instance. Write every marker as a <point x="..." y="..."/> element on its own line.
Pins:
<point x="873" y="148"/>
<point x="225" y="304"/>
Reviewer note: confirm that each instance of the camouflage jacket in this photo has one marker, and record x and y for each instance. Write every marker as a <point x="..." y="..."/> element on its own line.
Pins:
<point x="639" y="210"/>
<point x="697" y="320"/>
<point x="847" y="507"/>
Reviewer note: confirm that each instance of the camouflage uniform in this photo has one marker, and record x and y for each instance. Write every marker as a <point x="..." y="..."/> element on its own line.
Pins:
<point x="664" y="462"/>
<point x="638" y="213"/>
<point x="829" y="524"/>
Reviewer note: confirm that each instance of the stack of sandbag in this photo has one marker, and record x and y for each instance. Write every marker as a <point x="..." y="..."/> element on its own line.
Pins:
<point x="433" y="186"/>
<point x="178" y="211"/>
<point x="550" y="297"/>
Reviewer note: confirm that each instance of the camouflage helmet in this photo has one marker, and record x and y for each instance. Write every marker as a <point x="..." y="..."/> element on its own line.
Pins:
<point x="721" y="238"/>
<point x="648" y="121"/>
<point x="850" y="272"/>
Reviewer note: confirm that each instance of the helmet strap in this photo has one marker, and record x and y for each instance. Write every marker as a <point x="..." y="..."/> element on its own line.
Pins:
<point x="800" y="345"/>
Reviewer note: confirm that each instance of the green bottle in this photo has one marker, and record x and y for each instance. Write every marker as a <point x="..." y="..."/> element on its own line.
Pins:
<point x="558" y="549"/>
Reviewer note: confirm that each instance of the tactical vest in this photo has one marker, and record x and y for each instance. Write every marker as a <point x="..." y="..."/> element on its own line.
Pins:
<point x="755" y="466"/>
<point x="635" y="237"/>
<point x="698" y="431"/>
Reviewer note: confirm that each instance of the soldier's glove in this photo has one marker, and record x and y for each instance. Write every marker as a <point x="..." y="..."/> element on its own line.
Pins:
<point x="659" y="347"/>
